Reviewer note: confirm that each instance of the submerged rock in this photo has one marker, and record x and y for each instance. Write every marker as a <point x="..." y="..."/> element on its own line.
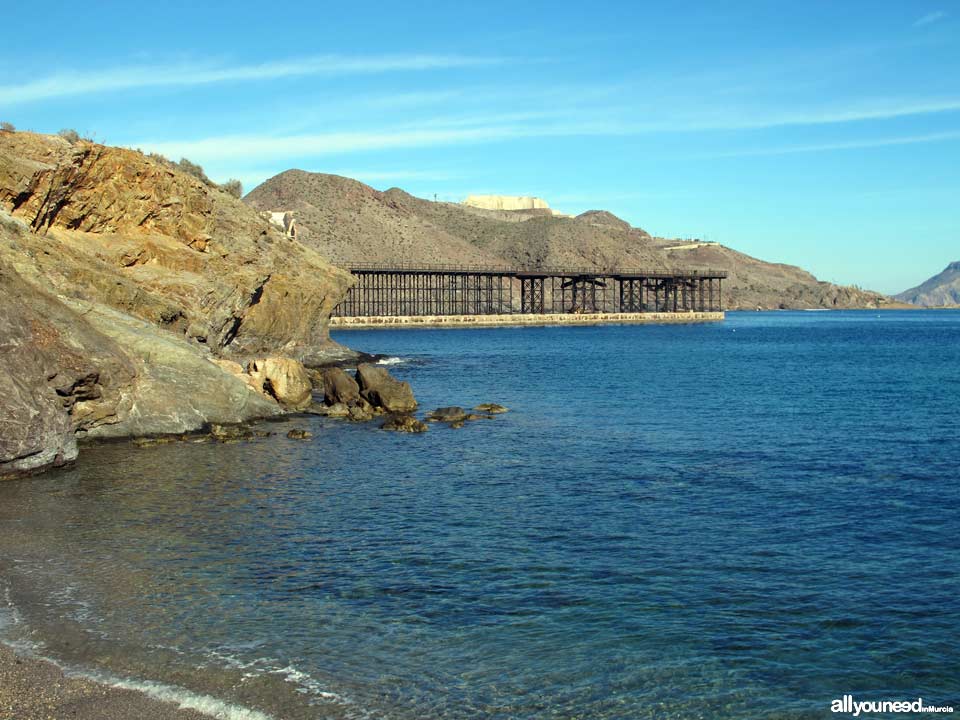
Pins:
<point x="405" y="423"/>
<point x="491" y="408"/>
<point x="381" y="389"/>
<point x="448" y="414"/>
<point x="299" y="434"/>
<point x="230" y="433"/>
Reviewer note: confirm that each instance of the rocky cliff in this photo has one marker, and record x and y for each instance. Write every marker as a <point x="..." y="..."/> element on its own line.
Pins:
<point x="349" y="221"/>
<point x="124" y="282"/>
<point x="942" y="290"/>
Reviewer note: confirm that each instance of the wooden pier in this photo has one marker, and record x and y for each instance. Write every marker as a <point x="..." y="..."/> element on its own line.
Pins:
<point x="408" y="290"/>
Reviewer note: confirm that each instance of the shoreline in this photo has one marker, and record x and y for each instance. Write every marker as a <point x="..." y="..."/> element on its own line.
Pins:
<point x="33" y="688"/>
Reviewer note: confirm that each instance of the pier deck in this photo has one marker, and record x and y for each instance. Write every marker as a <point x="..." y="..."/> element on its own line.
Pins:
<point x="411" y="291"/>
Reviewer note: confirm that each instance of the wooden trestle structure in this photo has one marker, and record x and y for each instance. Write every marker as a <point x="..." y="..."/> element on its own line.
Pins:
<point x="414" y="290"/>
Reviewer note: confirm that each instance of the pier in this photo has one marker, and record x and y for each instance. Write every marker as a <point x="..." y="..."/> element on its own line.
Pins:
<point x="457" y="294"/>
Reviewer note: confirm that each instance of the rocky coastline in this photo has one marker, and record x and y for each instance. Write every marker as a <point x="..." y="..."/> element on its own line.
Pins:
<point x="137" y="300"/>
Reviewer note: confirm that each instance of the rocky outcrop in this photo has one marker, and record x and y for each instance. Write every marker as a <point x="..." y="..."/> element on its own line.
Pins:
<point x="942" y="290"/>
<point x="130" y="294"/>
<point x="175" y="388"/>
<point x="35" y="430"/>
<point x="284" y="379"/>
<point x="382" y="390"/>
<point x="339" y="387"/>
<point x="113" y="226"/>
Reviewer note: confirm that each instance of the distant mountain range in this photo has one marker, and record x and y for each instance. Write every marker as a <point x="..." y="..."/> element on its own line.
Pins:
<point x="941" y="290"/>
<point x="348" y="221"/>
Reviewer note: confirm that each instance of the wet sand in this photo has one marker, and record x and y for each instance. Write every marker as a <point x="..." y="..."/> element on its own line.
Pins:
<point x="32" y="689"/>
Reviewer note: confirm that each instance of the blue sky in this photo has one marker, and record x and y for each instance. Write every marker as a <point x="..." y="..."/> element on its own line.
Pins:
<point x="823" y="134"/>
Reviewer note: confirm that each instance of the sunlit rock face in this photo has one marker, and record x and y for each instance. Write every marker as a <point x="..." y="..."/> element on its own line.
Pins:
<point x="506" y="202"/>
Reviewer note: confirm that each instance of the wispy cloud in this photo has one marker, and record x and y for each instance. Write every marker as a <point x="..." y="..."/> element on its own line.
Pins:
<point x="459" y="130"/>
<point x="847" y="145"/>
<point x="192" y="74"/>
<point x="392" y="175"/>
<point x="311" y="145"/>
<point x="930" y="18"/>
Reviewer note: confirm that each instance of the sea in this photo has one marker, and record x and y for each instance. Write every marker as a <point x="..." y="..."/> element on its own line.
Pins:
<point x="748" y="519"/>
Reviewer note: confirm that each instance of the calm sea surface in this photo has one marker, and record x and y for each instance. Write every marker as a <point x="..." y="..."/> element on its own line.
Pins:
<point x="740" y="520"/>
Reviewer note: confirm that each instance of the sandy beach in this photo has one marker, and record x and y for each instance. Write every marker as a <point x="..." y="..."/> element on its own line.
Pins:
<point x="32" y="689"/>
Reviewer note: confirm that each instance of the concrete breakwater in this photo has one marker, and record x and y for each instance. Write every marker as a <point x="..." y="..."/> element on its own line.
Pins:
<point x="646" y="318"/>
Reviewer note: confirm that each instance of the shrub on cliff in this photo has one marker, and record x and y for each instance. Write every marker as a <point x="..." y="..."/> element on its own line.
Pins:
<point x="70" y="135"/>
<point x="233" y="187"/>
<point x="7" y="127"/>
<point x="191" y="168"/>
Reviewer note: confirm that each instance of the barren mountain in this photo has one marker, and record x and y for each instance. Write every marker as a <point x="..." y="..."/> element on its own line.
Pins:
<point x="941" y="290"/>
<point x="348" y="221"/>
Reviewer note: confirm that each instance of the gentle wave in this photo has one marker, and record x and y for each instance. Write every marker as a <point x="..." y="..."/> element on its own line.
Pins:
<point x="391" y="361"/>
<point x="181" y="697"/>
<point x="11" y="619"/>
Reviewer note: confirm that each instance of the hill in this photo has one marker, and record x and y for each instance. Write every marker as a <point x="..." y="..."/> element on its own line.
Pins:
<point x="348" y="221"/>
<point x="942" y="290"/>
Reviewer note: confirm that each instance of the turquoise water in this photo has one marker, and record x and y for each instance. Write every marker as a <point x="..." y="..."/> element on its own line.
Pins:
<point x="739" y="520"/>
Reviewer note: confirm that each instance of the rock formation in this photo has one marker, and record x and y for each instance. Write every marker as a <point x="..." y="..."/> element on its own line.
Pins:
<point x="338" y="387"/>
<point x="942" y="290"/>
<point x="132" y="293"/>
<point x="382" y="390"/>
<point x="284" y="379"/>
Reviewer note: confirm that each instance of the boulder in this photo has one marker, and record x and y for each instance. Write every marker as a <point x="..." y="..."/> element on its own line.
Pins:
<point x="491" y="408"/>
<point x="285" y="379"/>
<point x="299" y="434"/>
<point x="360" y="413"/>
<point x="405" y="423"/>
<point x="448" y="414"/>
<point x="338" y="410"/>
<point x="382" y="390"/>
<point x="338" y="387"/>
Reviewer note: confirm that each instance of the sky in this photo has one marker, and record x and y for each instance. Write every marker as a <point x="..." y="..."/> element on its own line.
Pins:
<point x="820" y="134"/>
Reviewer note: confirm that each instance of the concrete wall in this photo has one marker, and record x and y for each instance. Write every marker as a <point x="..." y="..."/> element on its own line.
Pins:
<point x="400" y="321"/>
<point x="506" y="202"/>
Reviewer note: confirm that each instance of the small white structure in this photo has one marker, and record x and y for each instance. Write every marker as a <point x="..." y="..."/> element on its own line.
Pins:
<point x="284" y="220"/>
<point x="506" y="202"/>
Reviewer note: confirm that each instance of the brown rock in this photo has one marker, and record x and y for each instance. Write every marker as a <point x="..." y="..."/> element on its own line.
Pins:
<point x="57" y="374"/>
<point x="115" y="227"/>
<point x="284" y="379"/>
<point x="405" y="423"/>
<point x="491" y="408"/>
<point x="298" y="434"/>
<point x="338" y="387"/>
<point x="360" y="414"/>
<point x="448" y="414"/>
<point x="381" y="389"/>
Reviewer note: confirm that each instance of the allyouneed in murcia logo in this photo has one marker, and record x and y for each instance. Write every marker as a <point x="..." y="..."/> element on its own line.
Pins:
<point x="847" y="704"/>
